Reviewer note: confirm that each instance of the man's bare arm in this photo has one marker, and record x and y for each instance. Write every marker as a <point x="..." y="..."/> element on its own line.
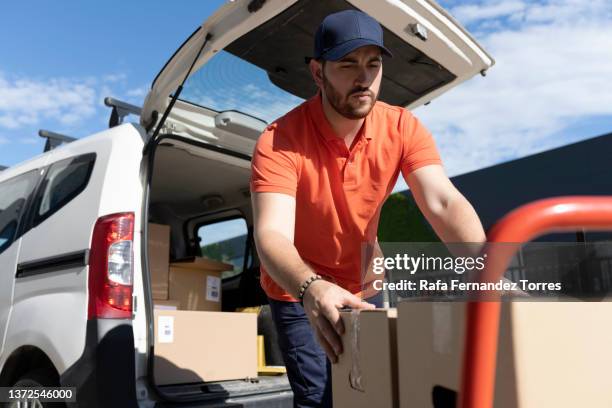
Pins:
<point x="274" y="221"/>
<point x="274" y="216"/>
<point x="447" y="210"/>
<point x="452" y="217"/>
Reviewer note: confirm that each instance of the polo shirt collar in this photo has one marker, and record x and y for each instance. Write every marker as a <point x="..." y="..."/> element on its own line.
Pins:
<point x="321" y="122"/>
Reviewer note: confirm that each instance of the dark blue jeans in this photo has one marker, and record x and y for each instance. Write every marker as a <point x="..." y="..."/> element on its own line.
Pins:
<point x="308" y="368"/>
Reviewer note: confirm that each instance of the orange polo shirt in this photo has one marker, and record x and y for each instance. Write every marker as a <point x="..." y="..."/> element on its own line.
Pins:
<point x="339" y="192"/>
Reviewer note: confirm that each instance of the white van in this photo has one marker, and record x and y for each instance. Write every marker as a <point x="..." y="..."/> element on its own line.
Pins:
<point x="76" y="306"/>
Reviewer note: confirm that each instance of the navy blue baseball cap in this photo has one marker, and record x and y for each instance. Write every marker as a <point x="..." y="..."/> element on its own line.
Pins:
<point x="343" y="32"/>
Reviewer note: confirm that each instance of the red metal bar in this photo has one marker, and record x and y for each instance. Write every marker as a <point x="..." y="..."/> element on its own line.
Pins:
<point x="519" y="226"/>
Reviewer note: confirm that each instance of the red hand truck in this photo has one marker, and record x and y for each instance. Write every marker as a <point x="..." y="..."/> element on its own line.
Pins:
<point x="560" y="214"/>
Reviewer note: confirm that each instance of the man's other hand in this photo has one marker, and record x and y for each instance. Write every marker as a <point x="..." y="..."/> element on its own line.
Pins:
<point x="322" y="302"/>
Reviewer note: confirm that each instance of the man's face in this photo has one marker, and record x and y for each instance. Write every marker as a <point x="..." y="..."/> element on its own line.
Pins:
<point x="352" y="83"/>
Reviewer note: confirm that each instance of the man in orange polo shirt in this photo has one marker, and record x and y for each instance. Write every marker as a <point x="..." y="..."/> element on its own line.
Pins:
<point x="320" y="175"/>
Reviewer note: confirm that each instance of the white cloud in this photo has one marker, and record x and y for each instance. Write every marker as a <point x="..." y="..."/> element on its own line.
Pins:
<point x="114" y="77"/>
<point x="26" y="102"/>
<point x="138" y="92"/>
<point x="552" y="71"/>
<point x="30" y="140"/>
<point x="475" y="12"/>
<point x="573" y="12"/>
<point x="72" y="105"/>
<point x="8" y="122"/>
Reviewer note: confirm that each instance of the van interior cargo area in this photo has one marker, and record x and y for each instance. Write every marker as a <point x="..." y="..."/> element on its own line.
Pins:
<point x="185" y="175"/>
<point x="193" y="186"/>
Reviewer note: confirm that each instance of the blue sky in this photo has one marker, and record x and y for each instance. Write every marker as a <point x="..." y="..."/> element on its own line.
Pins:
<point x="57" y="63"/>
<point x="551" y="85"/>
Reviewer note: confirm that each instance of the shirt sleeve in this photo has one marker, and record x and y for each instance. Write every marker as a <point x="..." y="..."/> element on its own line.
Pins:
<point x="274" y="167"/>
<point x="419" y="148"/>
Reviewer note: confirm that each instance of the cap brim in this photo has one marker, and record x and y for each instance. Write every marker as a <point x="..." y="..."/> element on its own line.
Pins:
<point x="341" y="50"/>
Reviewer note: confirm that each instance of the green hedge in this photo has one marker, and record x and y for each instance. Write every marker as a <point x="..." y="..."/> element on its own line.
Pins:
<point x="402" y="221"/>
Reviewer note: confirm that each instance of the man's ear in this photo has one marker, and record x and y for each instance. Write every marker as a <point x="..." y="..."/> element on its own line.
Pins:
<point x="316" y="70"/>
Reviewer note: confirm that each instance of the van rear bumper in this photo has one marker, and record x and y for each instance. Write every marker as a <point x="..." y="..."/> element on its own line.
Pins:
<point x="265" y="391"/>
<point x="104" y="375"/>
<point x="283" y="399"/>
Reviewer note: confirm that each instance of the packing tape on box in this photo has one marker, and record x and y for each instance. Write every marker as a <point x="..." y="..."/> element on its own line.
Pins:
<point x="442" y="328"/>
<point x="355" y="373"/>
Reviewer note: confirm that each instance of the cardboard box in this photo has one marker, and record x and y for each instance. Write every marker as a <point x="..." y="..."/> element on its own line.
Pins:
<point x="366" y="372"/>
<point x="430" y="339"/>
<point x="196" y="283"/>
<point x="169" y="304"/>
<point x="550" y="354"/>
<point x="196" y="289"/>
<point x="159" y="253"/>
<point x="193" y="346"/>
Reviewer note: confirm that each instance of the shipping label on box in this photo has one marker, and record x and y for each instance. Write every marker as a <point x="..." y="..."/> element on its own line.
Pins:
<point x="213" y="288"/>
<point x="165" y="329"/>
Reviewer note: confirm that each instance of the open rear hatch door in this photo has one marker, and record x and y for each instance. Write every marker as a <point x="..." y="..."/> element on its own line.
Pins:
<point x="273" y="38"/>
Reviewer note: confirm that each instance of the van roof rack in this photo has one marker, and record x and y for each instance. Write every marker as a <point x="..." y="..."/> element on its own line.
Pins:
<point x="120" y="110"/>
<point x="54" y="139"/>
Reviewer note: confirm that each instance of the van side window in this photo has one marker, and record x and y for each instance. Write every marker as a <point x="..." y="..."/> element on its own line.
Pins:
<point x="225" y="241"/>
<point x="63" y="182"/>
<point x="13" y="196"/>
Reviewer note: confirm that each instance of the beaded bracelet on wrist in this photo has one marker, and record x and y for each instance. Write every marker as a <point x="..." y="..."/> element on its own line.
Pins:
<point x="304" y="286"/>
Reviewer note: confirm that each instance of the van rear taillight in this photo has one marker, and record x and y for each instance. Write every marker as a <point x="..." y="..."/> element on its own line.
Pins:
<point x="111" y="267"/>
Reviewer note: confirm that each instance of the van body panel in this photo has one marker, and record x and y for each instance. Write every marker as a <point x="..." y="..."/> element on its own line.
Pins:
<point x="8" y="266"/>
<point x="104" y="373"/>
<point x="60" y="331"/>
<point x="114" y="186"/>
<point x="62" y="293"/>
<point x="10" y="256"/>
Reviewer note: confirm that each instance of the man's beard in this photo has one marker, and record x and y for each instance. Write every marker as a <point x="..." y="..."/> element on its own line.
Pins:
<point x="350" y="108"/>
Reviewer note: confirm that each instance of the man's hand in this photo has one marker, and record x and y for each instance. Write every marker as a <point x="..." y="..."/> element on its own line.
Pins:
<point x="321" y="303"/>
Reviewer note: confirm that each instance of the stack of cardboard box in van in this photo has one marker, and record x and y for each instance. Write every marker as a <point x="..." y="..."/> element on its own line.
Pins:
<point x="194" y="340"/>
<point x="549" y="354"/>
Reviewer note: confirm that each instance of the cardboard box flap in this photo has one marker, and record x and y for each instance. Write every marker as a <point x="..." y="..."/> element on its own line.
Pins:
<point x="170" y="304"/>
